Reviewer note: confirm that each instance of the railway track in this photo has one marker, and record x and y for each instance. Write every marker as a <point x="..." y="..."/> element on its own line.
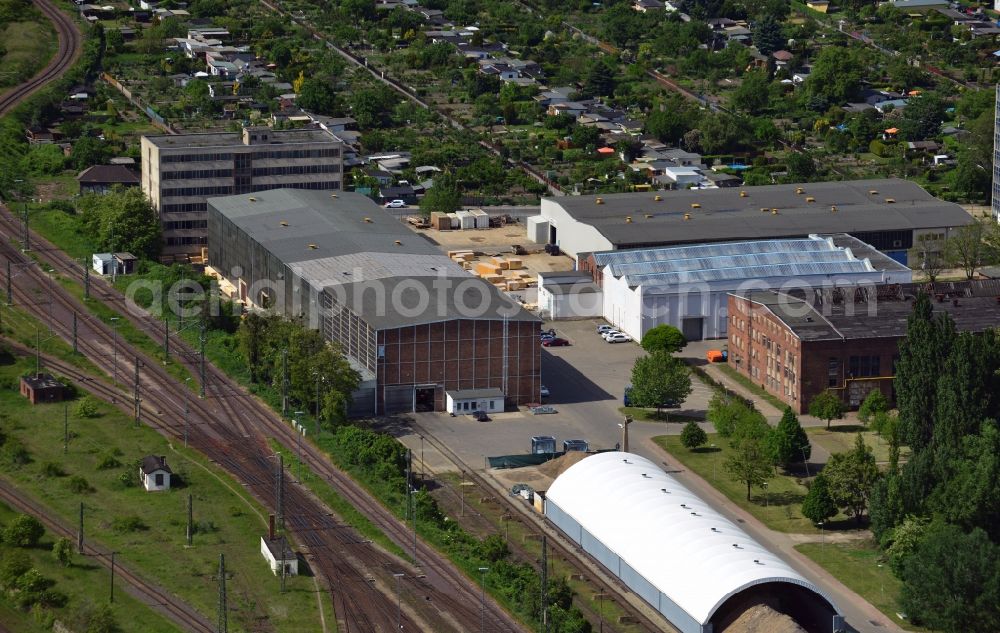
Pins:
<point x="153" y="596"/>
<point x="70" y="40"/>
<point x="442" y="597"/>
<point x="558" y="547"/>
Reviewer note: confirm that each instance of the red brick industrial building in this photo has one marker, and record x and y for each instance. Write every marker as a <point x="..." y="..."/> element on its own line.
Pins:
<point x="846" y="340"/>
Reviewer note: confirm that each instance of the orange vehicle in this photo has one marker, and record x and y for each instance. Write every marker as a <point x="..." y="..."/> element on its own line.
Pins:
<point x="715" y="356"/>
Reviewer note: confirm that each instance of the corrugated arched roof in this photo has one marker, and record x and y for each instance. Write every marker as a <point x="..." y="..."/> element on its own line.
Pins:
<point x="666" y="533"/>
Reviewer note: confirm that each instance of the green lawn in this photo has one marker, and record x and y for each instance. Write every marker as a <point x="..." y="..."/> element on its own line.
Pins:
<point x="85" y="582"/>
<point x="227" y="520"/>
<point x="859" y="566"/>
<point x="840" y="439"/>
<point x="779" y="509"/>
<point x="63" y="230"/>
<point x="650" y="415"/>
<point x="755" y="389"/>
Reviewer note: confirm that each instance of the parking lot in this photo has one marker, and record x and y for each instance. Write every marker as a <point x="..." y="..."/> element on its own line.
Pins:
<point x="587" y="380"/>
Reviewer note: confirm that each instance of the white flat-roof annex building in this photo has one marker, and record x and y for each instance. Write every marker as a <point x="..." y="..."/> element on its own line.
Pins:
<point x="686" y="560"/>
<point x="687" y="286"/>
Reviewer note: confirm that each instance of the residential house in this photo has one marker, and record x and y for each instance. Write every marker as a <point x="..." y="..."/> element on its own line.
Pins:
<point x="644" y="6"/>
<point x="101" y="179"/>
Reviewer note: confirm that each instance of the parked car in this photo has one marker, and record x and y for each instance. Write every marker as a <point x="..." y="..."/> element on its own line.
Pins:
<point x="480" y="416"/>
<point x="395" y="204"/>
<point x="555" y="342"/>
<point x="609" y="333"/>
<point x="542" y="409"/>
<point x="545" y="336"/>
<point x="618" y="337"/>
<point x="604" y="329"/>
<point x="544" y="391"/>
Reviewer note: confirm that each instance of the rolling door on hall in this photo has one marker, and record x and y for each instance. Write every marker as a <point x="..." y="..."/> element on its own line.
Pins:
<point x="398" y="399"/>
<point x="693" y="328"/>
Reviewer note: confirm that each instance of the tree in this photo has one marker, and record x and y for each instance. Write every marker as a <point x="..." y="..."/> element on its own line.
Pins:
<point x="801" y="166"/>
<point x="670" y="122"/>
<point x="922" y="117"/>
<point x="818" y="506"/>
<point x="951" y="582"/>
<point x="767" y="35"/>
<point x="827" y="406"/>
<point x="725" y="412"/>
<point x="788" y="441"/>
<point x="749" y="463"/>
<point x="874" y="404"/>
<point x="852" y="476"/>
<point x="659" y="378"/>
<point x="62" y="549"/>
<point x="89" y="151"/>
<point x="600" y="80"/>
<point x="929" y="250"/>
<point x="972" y="246"/>
<point x="752" y="95"/>
<point x="906" y="538"/>
<point x="442" y="197"/>
<point x="836" y="74"/>
<point x="693" y="436"/>
<point x="921" y="361"/>
<point x="371" y="106"/>
<point x="123" y="220"/>
<point x="318" y="96"/>
<point x="665" y="338"/>
<point x="23" y="531"/>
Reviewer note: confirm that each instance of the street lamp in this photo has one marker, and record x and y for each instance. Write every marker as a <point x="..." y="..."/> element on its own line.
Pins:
<point x="483" y="570"/>
<point x="114" y="346"/>
<point x="822" y="534"/>
<point x="399" y="604"/>
<point x="764" y="484"/>
<point x="624" y="427"/>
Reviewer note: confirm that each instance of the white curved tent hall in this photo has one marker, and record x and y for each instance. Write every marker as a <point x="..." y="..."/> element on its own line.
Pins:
<point x="690" y="563"/>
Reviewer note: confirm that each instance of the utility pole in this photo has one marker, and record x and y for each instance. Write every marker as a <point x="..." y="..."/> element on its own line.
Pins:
<point x="27" y="234"/>
<point x="79" y="533"/>
<point x="10" y="288"/>
<point x="279" y="491"/>
<point x="114" y="347"/>
<point x="202" y="339"/>
<point x="86" y="280"/>
<point x="409" y="480"/>
<point x="166" y="338"/>
<point x="135" y="393"/>
<point x="187" y="412"/>
<point x="317" y="403"/>
<point x="298" y="434"/>
<point x="223" y="626"/>
<point x="284" y="375"/>
<point x="38" y="350"/>
<point x="545" y="585"/>
<point x="112" y="576"/>
<point x="483" y="570"/>
<point x="624" y="427"/>
<point x="75" y="349"/>
<point x="65" y="428"/>
<point x="190" y="523"/>
<point x="283" y="564"/>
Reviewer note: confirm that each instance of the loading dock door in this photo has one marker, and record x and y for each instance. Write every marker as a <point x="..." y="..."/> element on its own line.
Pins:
<point x="692" y="328"/>
<point x="398" y="399"/>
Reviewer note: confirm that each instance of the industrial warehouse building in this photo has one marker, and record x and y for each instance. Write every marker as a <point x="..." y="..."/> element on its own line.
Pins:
<point x="414" y="323"/>
<point x="797" y="345"/>
<point x="687" y="286"/>
<point x="889" y="214"/>
<point x="695" y="567"/>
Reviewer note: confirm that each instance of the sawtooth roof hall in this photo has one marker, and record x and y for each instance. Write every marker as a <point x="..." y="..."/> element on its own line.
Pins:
<point x="887" y="213"/>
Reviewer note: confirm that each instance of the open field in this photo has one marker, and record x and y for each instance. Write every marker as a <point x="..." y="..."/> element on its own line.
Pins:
<point x="27" y="47"/>
<point x="840" y="439"/>
<point x="148" y="529"/>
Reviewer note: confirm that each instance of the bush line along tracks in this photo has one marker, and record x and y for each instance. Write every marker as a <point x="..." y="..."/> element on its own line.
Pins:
<point x="229" y="426"/>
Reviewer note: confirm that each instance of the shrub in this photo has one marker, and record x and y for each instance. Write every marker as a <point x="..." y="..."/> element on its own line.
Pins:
<point x="127" y="525"/>
<point x="86" y="408"/>
<point x="108" y="462"/>
<point x="693" y="436"/>
<point x="62" y="549"/>
<point x="79" y="485"/>
<point x="128" y="478"/>
<point x="23" y="531"/>
<point x="52" y="469"/>
<point x="15" y="564"/>
<point x="15" y="453"/>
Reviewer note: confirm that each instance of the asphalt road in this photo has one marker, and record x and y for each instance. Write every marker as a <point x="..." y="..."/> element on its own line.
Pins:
<point x="586" y="381"/>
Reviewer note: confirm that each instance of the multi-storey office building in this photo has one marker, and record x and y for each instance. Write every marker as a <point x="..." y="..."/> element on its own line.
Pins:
<point x="180" y="172"/>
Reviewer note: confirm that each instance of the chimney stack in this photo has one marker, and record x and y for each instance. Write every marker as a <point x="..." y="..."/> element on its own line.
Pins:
<point x="270" y="527"/>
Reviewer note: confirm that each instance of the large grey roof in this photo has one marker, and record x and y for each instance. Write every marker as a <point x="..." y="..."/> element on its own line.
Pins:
<point x="365" y="258"/>
<point x="879" y="312"/>
<point x="731" y="261"/>
<point x="724" y="215"/>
